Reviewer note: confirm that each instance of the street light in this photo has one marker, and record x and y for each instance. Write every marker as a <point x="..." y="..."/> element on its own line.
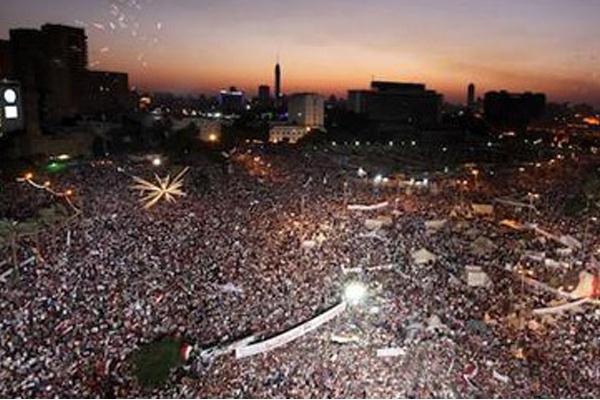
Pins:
<point x="156" y="161"/>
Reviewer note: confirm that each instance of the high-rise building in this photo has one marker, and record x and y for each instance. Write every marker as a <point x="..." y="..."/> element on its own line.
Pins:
<point x="513" y="110"/>
<point x="392" y="105"/>
<point x="5" y="59"/>
<point x="471" y="96"/>
<point x="51" y="66"/>
<point x="28" y="64"/>
<point x="306" y="109"/>
<point x="66" y="46"/>
<point x="65" y="52"/>
<point x="264" y="94"/>
<point x="278" y="93"/>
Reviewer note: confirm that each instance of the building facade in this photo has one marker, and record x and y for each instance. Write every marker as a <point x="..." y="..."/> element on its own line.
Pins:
<point x="5" y="59"/>
<point x="57" y="88"/>
<point x="307" y="110"/>
<point x="513" y="110"/>
<point x="264" y="94"/>
<point x="287" y="133"/>
<point x="396" y="104"/>
<point x="471" y="96"/>
<point x="232" y="101"/>
<point x="358" y="101"/>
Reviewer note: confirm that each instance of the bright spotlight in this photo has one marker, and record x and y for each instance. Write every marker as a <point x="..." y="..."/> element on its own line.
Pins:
<point x="156" y="162"/>
<point x="355" y="292"/>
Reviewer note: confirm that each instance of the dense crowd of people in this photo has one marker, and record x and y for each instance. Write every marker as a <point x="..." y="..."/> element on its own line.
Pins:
<point x="227" y="260"/>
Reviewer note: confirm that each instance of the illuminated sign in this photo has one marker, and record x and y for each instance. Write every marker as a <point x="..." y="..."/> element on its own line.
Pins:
<point x="11" y="101"/>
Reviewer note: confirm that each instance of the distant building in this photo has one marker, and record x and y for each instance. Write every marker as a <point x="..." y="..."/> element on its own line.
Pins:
<point x="513" y="110"/>
<point x="65" y="61"/>
<point x="5" y="59"/>
<point x="232" y="101"/>
<point x="287" y="133"/>
<point x="307" y="110"/>
<point x="278" y="93"/>
<point x="264" y="94"/>
<point x="66" y="45"/>
<point x="358" y="101"/>
<point x="471" y="102"/>
<point x="51" y="66"/>
<point x="392" y="105"/>
<point x="28" y="62"/>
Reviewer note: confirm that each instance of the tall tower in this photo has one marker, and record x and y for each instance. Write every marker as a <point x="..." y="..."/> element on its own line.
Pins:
<point x="471" y="95"/>
<point x="277" y="82"/>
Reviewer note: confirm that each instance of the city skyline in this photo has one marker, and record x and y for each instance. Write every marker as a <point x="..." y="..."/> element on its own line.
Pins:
<point x="186" y="47"/>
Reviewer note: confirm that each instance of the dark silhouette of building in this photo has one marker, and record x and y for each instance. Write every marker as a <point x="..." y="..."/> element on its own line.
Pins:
<point x="471" y="96"/>
<point x="66" y="45"/>
<point x="513" y="110"/>
<point x="392" y="105"/>
<point x="28" y="65"/>
<point x="232" y="101"/>
<point x="358" y="101"/>
<point x="5" y="59"/>
<point x="278" y="94"/>
<point x="264" y="94"/>
<point x="51" y="66"/>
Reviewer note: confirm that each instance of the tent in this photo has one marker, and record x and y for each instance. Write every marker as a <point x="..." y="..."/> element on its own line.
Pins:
<point x="423" y="256"/>
<point x="476" y="277"/>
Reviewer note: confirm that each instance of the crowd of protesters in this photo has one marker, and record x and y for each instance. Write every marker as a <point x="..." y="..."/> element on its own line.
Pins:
<point x="227" y="260"/>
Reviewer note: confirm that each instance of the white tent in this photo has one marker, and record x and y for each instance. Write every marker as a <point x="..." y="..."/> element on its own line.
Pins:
<point x="476" y="277"/>
<point x="423" y="256"/>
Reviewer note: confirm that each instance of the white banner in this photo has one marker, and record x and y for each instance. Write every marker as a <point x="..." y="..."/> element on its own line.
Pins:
<point x="290" y="335"/>
<point x="361" y="207"/>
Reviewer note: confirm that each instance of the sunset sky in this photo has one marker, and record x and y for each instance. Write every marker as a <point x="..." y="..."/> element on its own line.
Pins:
<point x="330" y="46"/>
